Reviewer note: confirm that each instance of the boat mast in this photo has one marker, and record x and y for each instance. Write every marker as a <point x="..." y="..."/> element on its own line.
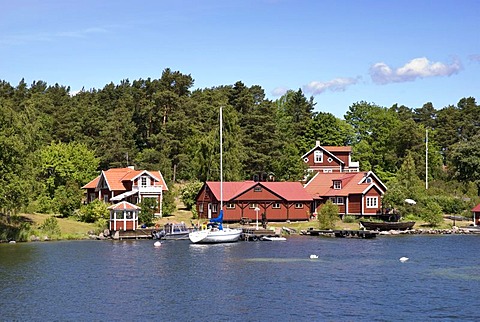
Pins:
<point x="426" y="159"/>
<point x="221" y="160"/>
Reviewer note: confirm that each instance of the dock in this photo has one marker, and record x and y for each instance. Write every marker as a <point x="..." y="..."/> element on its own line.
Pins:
<point x="141" y="233"/>
<point x="344" y="233"/>
<point x="252" y="234"/>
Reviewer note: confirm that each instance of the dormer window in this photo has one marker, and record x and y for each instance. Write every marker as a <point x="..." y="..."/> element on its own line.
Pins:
<point x="337" y="184"/>
<point x="318" y="156"/>
<point x="143" y="182"/>
<point x="257" y="189"/>
<point x="368" y="180"/>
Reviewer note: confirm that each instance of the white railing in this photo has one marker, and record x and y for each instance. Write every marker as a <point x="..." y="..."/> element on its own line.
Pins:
<point x="148" y="189"/>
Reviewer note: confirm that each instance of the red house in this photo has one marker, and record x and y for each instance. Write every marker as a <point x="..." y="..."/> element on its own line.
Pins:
<point x="127" y="184"/>
<point x="476" y="215"/>
<point x="330" y="159"/>
<point x="276" y="201"/>
<point x="358" y="193"/>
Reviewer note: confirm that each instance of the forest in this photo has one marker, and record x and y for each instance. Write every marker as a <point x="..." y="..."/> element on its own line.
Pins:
<point x="53" y="141"/>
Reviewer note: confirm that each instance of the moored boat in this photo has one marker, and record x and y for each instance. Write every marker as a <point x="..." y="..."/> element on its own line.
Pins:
<point x="172" y="231"/>
<point x="385" y="226"/>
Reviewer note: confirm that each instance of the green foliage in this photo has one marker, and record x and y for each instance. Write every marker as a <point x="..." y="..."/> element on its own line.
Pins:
<point x="349" y="219"/>
<point x="189" y="193"/>
<point x="51" y="227"/>
<point x="432" y="212"/>
<point x="93" y="212"/>
<point x="148" y="207"/>
<point x="168" y="203"/>
<point x="328" y="215"/>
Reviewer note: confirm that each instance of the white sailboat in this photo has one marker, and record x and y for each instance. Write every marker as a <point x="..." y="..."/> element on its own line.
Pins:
<point x="215" y="233"/>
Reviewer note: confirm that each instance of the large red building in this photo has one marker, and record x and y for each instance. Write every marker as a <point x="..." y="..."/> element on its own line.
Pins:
<point x="276" y="201"/>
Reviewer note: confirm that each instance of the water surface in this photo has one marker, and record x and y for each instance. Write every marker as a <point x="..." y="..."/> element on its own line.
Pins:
<point x="352" y="280"/>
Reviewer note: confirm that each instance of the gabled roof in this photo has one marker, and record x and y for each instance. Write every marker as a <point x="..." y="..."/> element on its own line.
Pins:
<point x="123" y="206"/>
<point x="321" y="185"/>
<point x="116" y="178"/>
<point x="477" y="208"/>
<point x="329" y="149"/>
<point x="290" y="191"/>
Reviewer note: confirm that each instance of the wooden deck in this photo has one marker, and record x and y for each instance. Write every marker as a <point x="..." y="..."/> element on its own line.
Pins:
<point x="366" y="234"/>
<point x="252" y="234"/>
<point x="141" y="233"/>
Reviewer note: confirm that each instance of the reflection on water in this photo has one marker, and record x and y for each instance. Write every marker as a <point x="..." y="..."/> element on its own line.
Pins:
<point x="352" y="280"/>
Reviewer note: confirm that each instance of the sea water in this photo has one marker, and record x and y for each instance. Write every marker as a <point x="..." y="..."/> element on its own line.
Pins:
<point x="351" y="280"/>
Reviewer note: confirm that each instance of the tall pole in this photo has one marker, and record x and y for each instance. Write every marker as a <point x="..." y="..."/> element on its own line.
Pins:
<point x="221" y="160"/>
<point x="426" y="159"/>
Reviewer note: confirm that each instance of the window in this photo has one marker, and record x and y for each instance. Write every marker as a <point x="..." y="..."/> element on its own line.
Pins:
<point x="230" y="205"/>
<point x="368" y="180"/>
<point x="318" y="156"/>
<point x="253" y="206"/>
<point x="339" y="200"/>
<point x="105" y="198"/>
<point x="327" y="171"/>
<point x="329" y="160"/>
<point x="143" y="182"/>
<point x="276" y="205"/>
<point x="333" y="200"/>
<point x="337" y="184"/>
<point x="214" y="207"/>
<point x="257" y="189"/>
<point x="372" y="202"/>
<point x="298" y="205"/>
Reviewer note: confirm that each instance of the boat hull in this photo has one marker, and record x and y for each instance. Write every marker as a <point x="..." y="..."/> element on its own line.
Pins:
<point x="385" y="226"/>
<point x="211" y="236"/>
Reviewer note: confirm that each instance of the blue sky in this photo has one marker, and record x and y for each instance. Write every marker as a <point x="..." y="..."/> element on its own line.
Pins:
<point x="340" y="52"/>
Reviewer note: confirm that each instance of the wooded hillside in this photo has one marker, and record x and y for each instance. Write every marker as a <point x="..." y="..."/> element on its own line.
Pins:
<point x="52" y="142"/>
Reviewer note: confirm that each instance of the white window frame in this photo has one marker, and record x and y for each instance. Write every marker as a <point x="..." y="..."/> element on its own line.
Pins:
<point x="327" y="170"/>
<point x="371" y="202"/>
<point x="298" y="205"/>
<point x="318" y="156"/>
<point x="214" y="208"/>
<point x="230" y="205"/>
<point x="337" y="184"/>
<point x="142" y="183"/>
<point x="253" y="206"/>
<point x="276" y="205"/>
<point x="340" y="201"/>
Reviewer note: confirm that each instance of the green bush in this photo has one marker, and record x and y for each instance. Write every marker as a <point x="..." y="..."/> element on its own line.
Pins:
<point x="432" y="213"/>
<point x="328" y="215"/>
<point x="189" y="192"/>
<point x="92" y="212"/>
<point x="51" y="227"/>
<point x="148" y="207"/>
<point x="349" y="219"/>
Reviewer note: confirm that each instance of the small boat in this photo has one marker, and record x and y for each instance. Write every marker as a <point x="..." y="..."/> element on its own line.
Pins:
<point x="172" y="231"/>
<point x="273" y="238"/>
<point x="385" y="226"/>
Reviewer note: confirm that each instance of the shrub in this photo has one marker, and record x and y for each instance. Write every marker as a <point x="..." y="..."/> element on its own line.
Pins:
<point x="92" y="212"/>
<point x="189" y="192"/>
<point x="328" y="215"/>
<point x="51" y="227"/>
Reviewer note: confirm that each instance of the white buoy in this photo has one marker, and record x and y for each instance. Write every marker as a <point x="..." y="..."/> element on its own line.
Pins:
<point x="313" y="256"/>
<point x="403" y="259"/>
<point x="157" y="244"/>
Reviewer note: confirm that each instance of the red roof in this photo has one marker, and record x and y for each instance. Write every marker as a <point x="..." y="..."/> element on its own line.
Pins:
<point x="123" y="206"/>
<point x="321" y="185"/>
<point x="477" y="208"/>
<point x="116" y="177"/>
<point x="292" y="191"/>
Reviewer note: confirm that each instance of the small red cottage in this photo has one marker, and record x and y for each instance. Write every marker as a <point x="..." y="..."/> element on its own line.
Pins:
<point x="123" y="216"/>
<point x="127" y="184"/>
<point x="476" y="215"/>
<point x="357" y="193"/>
<point x="275" y="201"/>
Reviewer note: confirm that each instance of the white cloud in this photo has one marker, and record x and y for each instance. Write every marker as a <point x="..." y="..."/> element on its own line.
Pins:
<point x="475" y="57"/>
<point x="279" y="91"/>
<point x="381" y="73"/>
<point x="334" y="85"/>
